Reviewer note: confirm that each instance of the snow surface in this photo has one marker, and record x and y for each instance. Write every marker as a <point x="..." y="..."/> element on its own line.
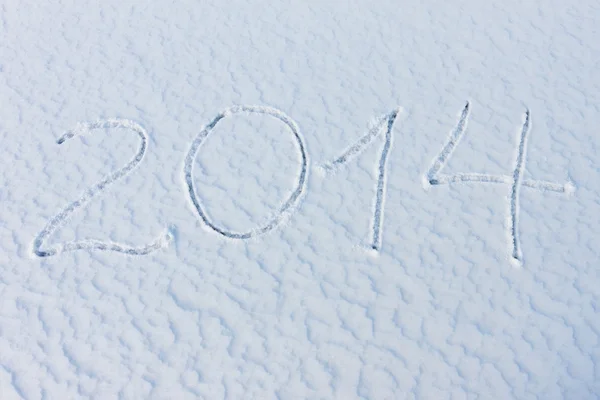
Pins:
<point x="414" y="187"/>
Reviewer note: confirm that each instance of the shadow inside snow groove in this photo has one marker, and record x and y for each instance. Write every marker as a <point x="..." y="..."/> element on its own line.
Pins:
<point x="60" y="218"/>
<point x="515" y="189"/>
<point x="287" y="206"/>
<point x="434" y="176"/>
<point x="386" y="121"/>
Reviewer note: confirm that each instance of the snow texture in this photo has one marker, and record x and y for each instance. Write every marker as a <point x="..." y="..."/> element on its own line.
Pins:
<point x="400" y="200"/>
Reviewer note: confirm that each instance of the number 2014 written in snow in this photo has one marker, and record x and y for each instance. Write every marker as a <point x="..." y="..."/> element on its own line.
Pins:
<point x="384" y="126"/>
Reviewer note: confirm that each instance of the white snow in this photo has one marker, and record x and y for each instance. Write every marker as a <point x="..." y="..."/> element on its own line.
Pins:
<point x="392" y="278"/>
